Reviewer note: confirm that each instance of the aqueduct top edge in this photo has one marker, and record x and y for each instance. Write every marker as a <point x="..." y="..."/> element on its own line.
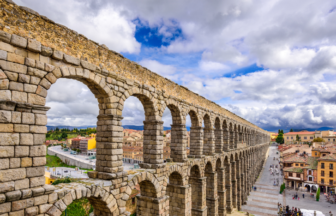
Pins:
<point x="27" y="23"/>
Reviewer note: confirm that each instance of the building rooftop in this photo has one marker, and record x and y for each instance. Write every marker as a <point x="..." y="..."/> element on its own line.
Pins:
<point x="293" y="169"/>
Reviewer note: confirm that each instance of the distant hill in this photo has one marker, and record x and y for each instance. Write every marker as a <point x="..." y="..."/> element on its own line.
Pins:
<point x="133" y="127"/>
<point x="307" y="129"/>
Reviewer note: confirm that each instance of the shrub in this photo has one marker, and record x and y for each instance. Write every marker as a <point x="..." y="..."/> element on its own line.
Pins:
<point x="282" y="188"/>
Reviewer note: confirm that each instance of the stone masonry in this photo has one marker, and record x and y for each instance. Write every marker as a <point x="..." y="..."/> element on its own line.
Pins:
<point x="226" y="155"/>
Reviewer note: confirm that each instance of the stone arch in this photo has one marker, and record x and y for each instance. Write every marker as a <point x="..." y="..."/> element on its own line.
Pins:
<point x="179" y="142"/>
<point x="178" y="194"/>
<point x="177" y="169"/>
<point x="102" y="200"/>
<point x="209" y="136"/>
<point x="198" y="189"/>
<point x="211" y="188"/>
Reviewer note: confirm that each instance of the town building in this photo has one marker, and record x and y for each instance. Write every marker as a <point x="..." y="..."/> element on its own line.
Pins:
<point x="304" y="136"/>
<point x="87" y="144"/>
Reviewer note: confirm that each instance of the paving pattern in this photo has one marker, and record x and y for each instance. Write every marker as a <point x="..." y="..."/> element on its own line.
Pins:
<point x="264" y="201"/>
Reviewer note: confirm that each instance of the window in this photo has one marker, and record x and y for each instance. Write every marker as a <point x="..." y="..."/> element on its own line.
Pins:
<point x="291" y="137"/>
<point x="296" y="164"/>
<point x="334" y="140"/>
<point x="315" y="153"/>
<point x="323" y="155"/>
<point x="331" y="182"/>
<point x="331" y="174"/>
<point x="287" y="137"/>
<point x="322" y="165"/>
<point x="290" y="174"/>
<point x="304" y="137"/>
<point x="301" y="165"/>
<point x="328" y="139"/>
<point x="309" y="172"/>
<point x="322" y="173"/>
<point x="311" y="137"/>
<point x="310" y="178"/>
<point x="331" y="166"/>
<point x="322" y="181"/>
<point x="298" y="175"/>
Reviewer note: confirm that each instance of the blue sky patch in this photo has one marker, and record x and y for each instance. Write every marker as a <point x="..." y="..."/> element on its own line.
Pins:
<point x="157" y="36"/>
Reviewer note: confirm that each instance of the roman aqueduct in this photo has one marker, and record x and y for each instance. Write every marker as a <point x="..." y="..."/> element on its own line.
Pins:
<point x="226" y="155"/>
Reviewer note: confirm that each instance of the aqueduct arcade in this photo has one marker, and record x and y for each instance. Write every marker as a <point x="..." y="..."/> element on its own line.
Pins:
<point x="226" y="155"/>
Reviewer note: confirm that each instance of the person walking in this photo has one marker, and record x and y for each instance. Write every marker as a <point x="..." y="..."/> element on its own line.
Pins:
<point x="303" y="195"/>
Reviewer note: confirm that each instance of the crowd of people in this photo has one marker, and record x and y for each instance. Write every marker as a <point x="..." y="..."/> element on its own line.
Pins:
<point x="287" y="211"/>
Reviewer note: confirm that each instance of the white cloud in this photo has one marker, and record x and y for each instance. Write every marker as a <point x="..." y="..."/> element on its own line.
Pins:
<point x="164" y="70"/>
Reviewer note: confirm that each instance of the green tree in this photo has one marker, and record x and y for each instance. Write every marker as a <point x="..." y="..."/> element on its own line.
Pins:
<point x="64" y="135"/>
<point x="280" y="138"/>
<point x="318" y="195"/>
<point x="297" y="137"/>
<point x="318" y="139"/>
<point x="291" y="130"/>
<point x="57" y="129"/>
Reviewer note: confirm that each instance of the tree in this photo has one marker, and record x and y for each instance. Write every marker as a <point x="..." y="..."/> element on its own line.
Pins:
<point x="291" y="130"/>
<point x="280" y="138"/>
<point x="64" y="135"/>
<point x="297" y="137"/>
<point x="318" y="195"/>
<point x="279" y="131"/>
<point x="318" y="139"/>
<point x="57" y="129"/>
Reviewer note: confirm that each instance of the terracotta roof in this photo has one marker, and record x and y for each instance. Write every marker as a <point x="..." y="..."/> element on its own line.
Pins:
<point x="296" y="159"/>
<point x="293" y="169"/>
<point x="300" y="133"/>
<point x="329" y="157"/>
<point x="312" y="163"/>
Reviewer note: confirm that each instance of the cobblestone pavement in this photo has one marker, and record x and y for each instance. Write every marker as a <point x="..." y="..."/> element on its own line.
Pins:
<point x="264" y="200"/>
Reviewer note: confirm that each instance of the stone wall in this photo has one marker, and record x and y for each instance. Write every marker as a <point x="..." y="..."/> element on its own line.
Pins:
<point x="35" y="52"/>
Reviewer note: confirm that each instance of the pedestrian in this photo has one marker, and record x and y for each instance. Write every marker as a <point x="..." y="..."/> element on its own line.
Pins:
<point x="303" y="196"/>
<point x="256" y="188"/>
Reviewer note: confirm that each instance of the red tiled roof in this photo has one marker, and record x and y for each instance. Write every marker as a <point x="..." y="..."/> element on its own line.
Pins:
<point x="300" y="133"/>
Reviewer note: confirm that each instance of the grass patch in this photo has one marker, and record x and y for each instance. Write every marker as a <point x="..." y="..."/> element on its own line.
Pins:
<point x="54" y="161"/>
<point x="81" y="207"/>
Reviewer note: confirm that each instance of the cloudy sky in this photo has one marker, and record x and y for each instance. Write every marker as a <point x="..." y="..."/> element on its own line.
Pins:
<point x="273" y="62"/>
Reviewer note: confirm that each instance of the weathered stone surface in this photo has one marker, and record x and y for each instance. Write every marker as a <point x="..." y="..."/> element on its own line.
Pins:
<point x="44" y="208"/>
<point x="40" y="119"/>
<point x="49" y="68"/>
<point x="37" y="181"/>
<point x="57" y="55"/>
<point x="16" y="86"/>
<point x="3" y="55"/>
<point x="6" y="47"/>
<point x="71" y="60"/>
<point x="6" y="128"/>
<point x="37" y="151"/>
<point x="52" y="198"/>
<point x="49" y="189"/>
<point x="5" y="207"/>
<point x="39" y="139"/>
<point x="29" y="88"/>
<point x="36" y="72"/>
<point x="19" y="96"/>
<point x="14" y="67"/>
<point x="34" y="45"/>
<point x="67" y="199"/>
<point x="2" y="198"/>
<point x="60" y="205"/>
<point x="13" y="195"/>
<point x="22" y="184"/>
<point x="32" y="211"/>
<point x="14" y="162"/>
<point x="54" y="211"/>
<point x="21" y="52"/>
<point x="36" y="99"/>
<point x="39" y="161"/>
<point x="45" y="83"/>
<point x="38" y="129"/>
<point x="26" y="193"/>
<point x="4" y="84"/>
<point x="30" y="62"/>
<point x="24" y="78"/>
<point x="4" y="36"/>
<point x="21" y="128"/>
<point x="40" y="65"/>
<point x="19" y="41"/>
<point x="9" y="139"/>
<point x="7" y="186"/>
<point x="21" y="151"/>
<point x="12" y="174"/>
<point x="5" y="117"/>
<point x="34" y="80"/>
<point x="41" y="200"/>
<point x="5" y="95"/>
<point x="28" y="118"/>
<point x="51" y="78"/>
<point x="37" y="191"/>
<point x="35" y="171"/>
<point x="12" y="57"/>
<point x="26" y="139"/>
<point x="2" y="74"/>
<point x="12" y="76"/>
<point x="26" y="162"/>
<point x="4" y="164"/>
<point x="34" y="55"/>
<point x="46" y="51"/>
<point x="88" y="65"/>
